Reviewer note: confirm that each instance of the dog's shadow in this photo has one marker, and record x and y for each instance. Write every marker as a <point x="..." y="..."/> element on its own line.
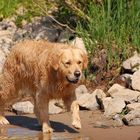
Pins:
<point x="32" y="124"/>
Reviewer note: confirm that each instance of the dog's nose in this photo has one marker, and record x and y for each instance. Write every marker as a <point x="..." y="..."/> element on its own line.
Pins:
<point x="77" y="73"/>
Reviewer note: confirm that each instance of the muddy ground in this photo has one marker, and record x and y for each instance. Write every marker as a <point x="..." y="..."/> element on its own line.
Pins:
<point x="26" y="127"/>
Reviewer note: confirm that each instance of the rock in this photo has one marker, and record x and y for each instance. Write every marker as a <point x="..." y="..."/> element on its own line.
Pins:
<point x="100" y="95"/>
<point x="133" y="106"/>
<point x="2" y="60"/>
<point x="127" y="80"/>
<point x="23" y="107"/>
<point x="117" y="91"/>
<point x="5" y="44"/>
<point x="87" y="100"/>
<point x="65" y="36"/>
<point x="78" y="42"/>
<point x="41" y="28"/>
<point x="125" y="77"/>
<point x="8" y="25"/>
<point x="7" y="30"/>
<point x="53" y="109"/>
<point x="138" y="99"/>
<point x="113" y="106"/>
<point x="132" y="118"/>
<point x="117" y="120"/>
<point x="80" y="90"/>
<point x="106" y="102"/>
<point x="136" y="80"/>
<point x="115" y="88"/>
<point x="133" y="63"/>
<point x="59" y="103"/>
<point x="27" y="107"/>
<point x="48" y="34"/>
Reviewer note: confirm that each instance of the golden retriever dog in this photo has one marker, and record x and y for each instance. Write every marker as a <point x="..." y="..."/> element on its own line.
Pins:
<point x="46" y="71"/>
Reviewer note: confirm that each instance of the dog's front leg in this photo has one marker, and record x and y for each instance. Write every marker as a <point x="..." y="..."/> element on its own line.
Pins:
<point x="73" y="106"/>
<point x="41" y="111"/>
<point x="76" y="122"/>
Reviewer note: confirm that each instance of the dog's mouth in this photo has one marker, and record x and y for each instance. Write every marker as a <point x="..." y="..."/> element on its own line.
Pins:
<point x="72" y="80"/>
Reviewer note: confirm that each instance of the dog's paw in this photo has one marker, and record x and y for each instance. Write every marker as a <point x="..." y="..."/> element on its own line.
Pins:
<point x="46" y="128"/>
<point x="77" y="124"/>
<point x="3" y="121"/>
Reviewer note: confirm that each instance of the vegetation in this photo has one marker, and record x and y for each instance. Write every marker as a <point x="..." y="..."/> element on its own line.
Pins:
<point x="113" y="25"/>
<point x="21" y="9"/>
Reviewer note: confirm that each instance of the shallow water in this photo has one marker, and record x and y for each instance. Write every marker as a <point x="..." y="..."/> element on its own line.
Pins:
<point x="25" y="134"/>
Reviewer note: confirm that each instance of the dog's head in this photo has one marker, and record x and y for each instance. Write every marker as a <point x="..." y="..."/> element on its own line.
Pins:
<point x="70" y="62"/>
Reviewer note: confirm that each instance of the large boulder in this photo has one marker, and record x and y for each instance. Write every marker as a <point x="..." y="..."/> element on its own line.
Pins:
<point x="89" y="100"/>
<point x="133" y="63"/>
<point x="136" y="80"/>
<point x="124" y="93"/>
<point x="113" y="106"/>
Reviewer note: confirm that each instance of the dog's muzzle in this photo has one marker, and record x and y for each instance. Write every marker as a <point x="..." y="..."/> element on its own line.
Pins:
<point x="75" y="78"/>
<point x="72" y="80"/>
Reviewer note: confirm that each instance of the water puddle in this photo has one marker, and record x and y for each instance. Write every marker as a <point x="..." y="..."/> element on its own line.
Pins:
<point x="25" y="134"/>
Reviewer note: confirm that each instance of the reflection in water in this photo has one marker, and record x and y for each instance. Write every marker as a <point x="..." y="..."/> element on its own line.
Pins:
<point x="25" y="134"/>
<point x="61" y="137"/>
<point x="45" y="137"/>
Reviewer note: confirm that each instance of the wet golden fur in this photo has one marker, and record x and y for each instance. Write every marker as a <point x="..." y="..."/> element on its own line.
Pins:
<point x="39" y="68"/>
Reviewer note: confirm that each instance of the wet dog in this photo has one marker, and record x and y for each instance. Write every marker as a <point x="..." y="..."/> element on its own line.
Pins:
<point x="45" y="71"/>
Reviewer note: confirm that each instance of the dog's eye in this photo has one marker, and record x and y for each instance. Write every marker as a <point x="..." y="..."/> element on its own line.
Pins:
<point x="79" y="62"/>
<point x="68" y="63"/>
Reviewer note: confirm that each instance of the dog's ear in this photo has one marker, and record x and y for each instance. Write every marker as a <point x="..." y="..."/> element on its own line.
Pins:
<point x="55" y="61"/>
<point x="85" y="59"/>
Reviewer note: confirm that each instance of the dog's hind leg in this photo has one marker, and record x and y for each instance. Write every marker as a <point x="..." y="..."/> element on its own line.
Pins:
<point x="3" y="120"/>
<point x="7" y="95"/>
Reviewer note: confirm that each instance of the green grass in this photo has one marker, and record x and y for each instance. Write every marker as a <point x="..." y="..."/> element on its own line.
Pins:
<point x="8" y="8"/>
<point x="114" y="25"/>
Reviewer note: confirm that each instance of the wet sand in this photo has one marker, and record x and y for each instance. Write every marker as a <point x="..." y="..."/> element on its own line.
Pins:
<point x="26" y="127"/>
